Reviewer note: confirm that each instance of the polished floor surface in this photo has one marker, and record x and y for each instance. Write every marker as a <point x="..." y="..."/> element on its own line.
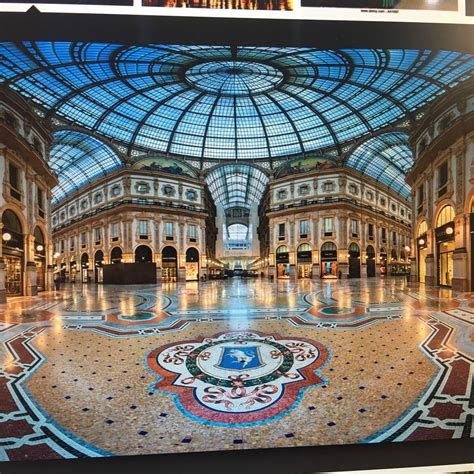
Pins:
<point x="237" y="364"/>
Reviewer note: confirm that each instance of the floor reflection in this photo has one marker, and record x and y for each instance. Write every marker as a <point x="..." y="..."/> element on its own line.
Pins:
<point x="232" y="365"/>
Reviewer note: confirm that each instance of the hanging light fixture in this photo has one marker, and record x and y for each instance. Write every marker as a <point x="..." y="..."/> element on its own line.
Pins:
<point x="449" y="230"/>
<point x="40" y="248"/>
<point x="421" y="241"/>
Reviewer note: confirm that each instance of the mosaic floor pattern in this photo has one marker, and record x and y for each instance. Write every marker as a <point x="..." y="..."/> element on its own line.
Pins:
<point x="92" y="371"/>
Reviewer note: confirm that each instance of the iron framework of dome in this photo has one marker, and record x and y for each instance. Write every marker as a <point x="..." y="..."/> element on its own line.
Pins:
<point x="211" y="103"/>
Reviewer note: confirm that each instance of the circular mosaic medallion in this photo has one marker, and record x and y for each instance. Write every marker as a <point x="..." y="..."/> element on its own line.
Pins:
<point x="138" y="316"/>
<point x="237" y="378"/>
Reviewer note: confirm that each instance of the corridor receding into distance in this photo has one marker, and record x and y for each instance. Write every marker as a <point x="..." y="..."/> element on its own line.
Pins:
<point x="214" y="248"/>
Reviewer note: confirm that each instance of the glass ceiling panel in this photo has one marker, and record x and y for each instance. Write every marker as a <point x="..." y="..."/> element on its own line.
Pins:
<point x="237" y="185"/>
<point x="386" y="158"/>
<point x="218" y="103"/>
<point x="77" y="158"/>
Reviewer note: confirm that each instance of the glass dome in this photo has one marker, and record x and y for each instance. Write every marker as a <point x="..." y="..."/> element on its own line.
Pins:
<point x="243" y="103"/>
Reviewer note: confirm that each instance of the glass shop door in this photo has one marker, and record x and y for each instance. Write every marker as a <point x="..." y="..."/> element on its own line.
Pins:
<point x="13" y="275"/>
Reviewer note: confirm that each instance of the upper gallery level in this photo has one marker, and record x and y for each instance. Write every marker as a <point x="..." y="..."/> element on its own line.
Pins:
<point x="303" y="184"/>
<point x="152" y="183"/>
<point x="25" y="136"/>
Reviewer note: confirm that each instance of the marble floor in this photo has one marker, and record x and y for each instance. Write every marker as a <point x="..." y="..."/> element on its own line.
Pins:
<point x="222" y="365"/>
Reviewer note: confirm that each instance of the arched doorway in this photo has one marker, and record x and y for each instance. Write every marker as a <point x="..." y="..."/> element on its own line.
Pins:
<point x="354" y="261"/>
<point x="98" y="266"/>
<point x="422" y="250"/>
<point x="329" y="260"/>
<point x="116" y="255"/>
<point x="444" y="233"/>
<point x="40" y="259"/>
<point x="84" y="268"/>
<point x="13" y="253"/>
<point x="283" y="262"/>
<point x="192" y="264"/>
<point x="304" y="259"/>
<point x="169" y="264"/>
<point x="143" y="254"/>
<point x="370" y="251"/>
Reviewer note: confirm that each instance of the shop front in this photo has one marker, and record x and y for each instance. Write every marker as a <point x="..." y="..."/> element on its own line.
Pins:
<point x="84" y="268"/>
<point x="40" y="260"/>
<point x="444" y="238"/>
<point x="354" y="261"/>
<point x="283" y="262"/>
<point x="383" y="261"/>
<point x="304" y="259"/>
<point x="370" y="253"/>
<point x="73" y="270"/>
<point x="445" y="252"/>
<point x="192" y="264"/>
<point x="98" y="266"/>
<point x="329" y="260"/>
<point x="13" y="253"/>
<point x="169" y="264"/>
<point x="421" y="252"/>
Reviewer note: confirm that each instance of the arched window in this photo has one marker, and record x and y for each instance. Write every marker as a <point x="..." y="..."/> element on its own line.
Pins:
<point x="143" y="254"/>
<point x="370" y="251"/>
<point x="40" y="248"/>
<point x="446" y="215"/>
<point x="99" y="258"/>
<point x="354" y="250"/>
<point x="304" y="248"/>
<point x="12" y="231"/>
<point x="328" y="246"/>
<point x="116" y="255"/>
<point x="422" y="228"/>
<point x="282" y="249"/>
<point x="192" y="255"/>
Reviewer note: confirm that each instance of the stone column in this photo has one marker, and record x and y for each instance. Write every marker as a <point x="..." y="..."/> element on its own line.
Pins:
<point x="316" y="272"/>
<point x="430" y="277"/>
<point x="460" y="270"/>
<point x="30" y="279"/>
<point x="3" y="291"/>
<point x="413" y="269"/>
<point x="272" y="272"/>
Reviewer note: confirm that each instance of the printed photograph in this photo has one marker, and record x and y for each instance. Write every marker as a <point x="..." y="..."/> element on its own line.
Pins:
<point x="73" y="2"/>
<point x="470" y="7"/>
<point x="449" y="5"/>
<point x="213" y="247"/>
<point x="223" y="4"/>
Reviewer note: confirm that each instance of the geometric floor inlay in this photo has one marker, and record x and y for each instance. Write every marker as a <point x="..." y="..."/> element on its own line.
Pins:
<point x="219" y="365"/>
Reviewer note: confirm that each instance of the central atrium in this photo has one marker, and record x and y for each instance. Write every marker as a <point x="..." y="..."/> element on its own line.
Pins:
<point x="225" y="247"/>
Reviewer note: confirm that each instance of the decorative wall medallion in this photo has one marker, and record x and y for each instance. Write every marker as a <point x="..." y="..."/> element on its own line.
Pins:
<point x="237" y="378"/>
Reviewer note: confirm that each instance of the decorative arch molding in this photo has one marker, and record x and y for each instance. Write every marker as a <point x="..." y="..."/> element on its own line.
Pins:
<point x="19" y="213"/>
<point x="440" y="206"/>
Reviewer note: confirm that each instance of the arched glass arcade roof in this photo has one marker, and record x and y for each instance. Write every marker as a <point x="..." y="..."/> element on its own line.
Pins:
<point x="215" y="102"/>
<point x="386" y="158"/>
<point x="236" y="185"/>
<point x="222" y="103"/>
<point x="77" y="158"/>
